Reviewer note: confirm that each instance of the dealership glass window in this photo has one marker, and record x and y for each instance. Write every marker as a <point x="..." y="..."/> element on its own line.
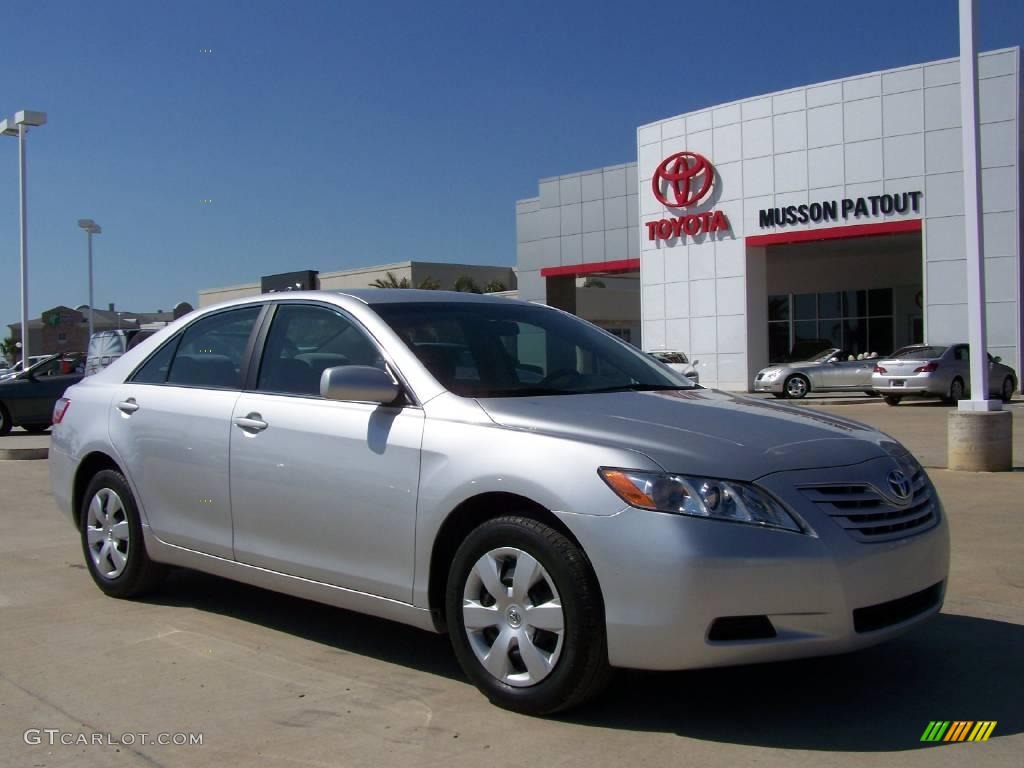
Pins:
<point x="778" y="307"/>
<point x="855" y="321"/>
<point x="805" y="306"/>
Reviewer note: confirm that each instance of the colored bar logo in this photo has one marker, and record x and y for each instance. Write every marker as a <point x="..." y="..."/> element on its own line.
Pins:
<point x="958" y="730"/>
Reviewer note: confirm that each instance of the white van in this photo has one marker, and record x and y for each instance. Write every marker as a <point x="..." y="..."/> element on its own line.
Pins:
<point x="106" y="346"/>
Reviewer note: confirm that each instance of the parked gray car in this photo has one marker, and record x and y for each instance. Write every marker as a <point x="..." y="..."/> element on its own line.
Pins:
<point x="831" y="370"/>
<point x="923" y="370"/>
<point x="553" y="499"/>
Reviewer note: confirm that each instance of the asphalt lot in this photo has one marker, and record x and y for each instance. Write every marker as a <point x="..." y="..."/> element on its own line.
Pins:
<point x="268" y="679"/>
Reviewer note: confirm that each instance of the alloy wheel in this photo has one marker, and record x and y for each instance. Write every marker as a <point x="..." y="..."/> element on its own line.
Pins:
<point x="796" y="387"/>
<point x="513" y="617"/>
<point x="108" y="533"/>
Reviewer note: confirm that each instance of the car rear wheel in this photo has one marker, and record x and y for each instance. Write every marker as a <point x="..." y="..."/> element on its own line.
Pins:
<point x="892" y="399"/>
<point x="5" y="421"/>
<point x="796" y="386"/>
<point x="112" y="538"/>
<point x="956" y="390"/>
<point x="871" y="393"/>
<point x="1007" y="391"/>
<point x="525" y="617"/>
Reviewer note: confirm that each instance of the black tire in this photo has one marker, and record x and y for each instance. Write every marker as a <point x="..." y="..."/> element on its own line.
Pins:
<point x="871" y="393"/>
<point x="35" y="429"/>
<point x="139" y="573"/>
<point x="796" y="393"/>
<point x="956" y="391"/>
<point x="5" y="421"/>
<point x="892" y="399"/>
<point x="581" y="670"/>
<point x="1008" y="389"/>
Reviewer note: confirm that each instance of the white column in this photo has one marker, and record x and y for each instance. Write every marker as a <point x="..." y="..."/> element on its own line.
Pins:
<point x="975" y="247"/>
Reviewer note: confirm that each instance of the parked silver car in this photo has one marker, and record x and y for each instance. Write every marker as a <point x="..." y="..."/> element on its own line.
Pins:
<point x="546" y="494"/>
<point x="678" y="362"/>
<point x="831" y="370"/>
<point x="937" y="371"/>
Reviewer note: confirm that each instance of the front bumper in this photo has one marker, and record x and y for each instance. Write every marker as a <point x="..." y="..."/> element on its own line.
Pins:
<point x="666" y="578"/>
<point x="768" y="385"/>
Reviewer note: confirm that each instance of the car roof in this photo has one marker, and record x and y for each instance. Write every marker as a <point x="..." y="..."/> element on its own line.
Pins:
<point x="409" y="295"/>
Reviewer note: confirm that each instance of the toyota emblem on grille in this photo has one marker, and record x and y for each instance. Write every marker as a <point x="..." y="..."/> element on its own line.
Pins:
<point x="900" y="484"/>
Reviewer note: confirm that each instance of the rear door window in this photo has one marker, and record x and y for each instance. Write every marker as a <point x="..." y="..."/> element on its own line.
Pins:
<point x="212" y="348"/>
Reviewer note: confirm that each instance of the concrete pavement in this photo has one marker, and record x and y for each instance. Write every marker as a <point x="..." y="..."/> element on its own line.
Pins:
<point x="268" y="679"/>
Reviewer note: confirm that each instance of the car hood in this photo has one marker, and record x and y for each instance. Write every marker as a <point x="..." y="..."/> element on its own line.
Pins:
<point x="698" y="431"/>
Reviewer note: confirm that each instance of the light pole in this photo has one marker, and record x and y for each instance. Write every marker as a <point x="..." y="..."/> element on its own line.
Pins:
<point x="91" y="228"/>
<point x="18" y="126"/>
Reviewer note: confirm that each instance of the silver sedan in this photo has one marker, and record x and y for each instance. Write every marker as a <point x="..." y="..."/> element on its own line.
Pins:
<point x="942" y="371"/>
<point x="547" y="495"/>
<point x="832" y="370"/>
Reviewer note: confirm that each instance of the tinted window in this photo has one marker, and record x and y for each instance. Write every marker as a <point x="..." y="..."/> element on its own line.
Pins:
<point x="919" y="353"/>
<point x="303" y="342"/>
<point x="211" y="350"/>
<point x="154" y="370"/>
<point x="504" y="349"/>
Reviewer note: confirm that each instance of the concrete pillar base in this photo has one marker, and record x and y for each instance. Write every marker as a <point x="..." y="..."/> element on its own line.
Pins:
<point x="980" y="441"/>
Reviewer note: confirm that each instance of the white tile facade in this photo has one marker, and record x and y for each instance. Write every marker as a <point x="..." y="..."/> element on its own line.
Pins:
<point x="884" y="132"/>
<point x="891" y="131"/>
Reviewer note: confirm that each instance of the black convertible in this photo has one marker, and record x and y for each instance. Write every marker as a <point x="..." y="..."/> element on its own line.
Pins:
<point x="27" y="400"/>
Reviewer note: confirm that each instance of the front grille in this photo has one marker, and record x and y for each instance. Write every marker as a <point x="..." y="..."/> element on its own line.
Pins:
<point x="871" y="516"/>
<point x="875" y="617"/>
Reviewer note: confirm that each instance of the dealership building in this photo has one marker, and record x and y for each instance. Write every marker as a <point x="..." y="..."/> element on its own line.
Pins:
<point x="830" y="214"/>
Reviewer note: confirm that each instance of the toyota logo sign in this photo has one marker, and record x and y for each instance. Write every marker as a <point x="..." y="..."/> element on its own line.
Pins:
<point x="682" y="180"/>
<point x="900" y="484"/>
<point x="686" y="175"/>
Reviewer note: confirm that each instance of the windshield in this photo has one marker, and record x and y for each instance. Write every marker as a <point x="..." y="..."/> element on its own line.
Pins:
<point x="918" y="353"/>
<point x="507" y="349"/>
<point x="822" y="356"/>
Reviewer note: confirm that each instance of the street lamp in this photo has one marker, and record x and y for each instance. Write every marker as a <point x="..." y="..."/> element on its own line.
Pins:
<point x="18" y="126"/>
<point x="91" y="228"/>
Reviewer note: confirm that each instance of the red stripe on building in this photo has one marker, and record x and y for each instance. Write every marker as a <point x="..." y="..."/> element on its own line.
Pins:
<point x="589" y="268"/>
<point x="836" y="233"/>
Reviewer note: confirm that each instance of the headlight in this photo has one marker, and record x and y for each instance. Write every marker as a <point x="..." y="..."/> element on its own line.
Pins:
<point x="771" y="375"/>
<point x="698" y="496"/>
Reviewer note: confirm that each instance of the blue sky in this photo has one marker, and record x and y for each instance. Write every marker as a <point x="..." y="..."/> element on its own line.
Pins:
<point x="338" y="134"/>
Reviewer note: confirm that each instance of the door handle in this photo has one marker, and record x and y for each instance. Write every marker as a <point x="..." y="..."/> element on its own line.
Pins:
<point x="128" y="407"/>
<point x="251" y="423"/>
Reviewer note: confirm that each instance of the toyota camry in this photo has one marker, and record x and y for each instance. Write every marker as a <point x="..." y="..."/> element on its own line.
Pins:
<point x="550" y="497"/>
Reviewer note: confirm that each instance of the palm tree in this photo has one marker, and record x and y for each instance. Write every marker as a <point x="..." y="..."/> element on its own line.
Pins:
<point x="391" y="281"/>
<point x="466" y="285"/>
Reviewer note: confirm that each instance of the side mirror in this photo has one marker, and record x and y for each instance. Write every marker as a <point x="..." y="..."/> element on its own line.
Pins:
<point x="997" y="359"/>
<point x="362" y="383"/>
<point x="695" y="363"/>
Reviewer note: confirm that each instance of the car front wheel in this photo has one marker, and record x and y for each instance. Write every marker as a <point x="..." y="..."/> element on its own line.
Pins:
<point x="796" y="387"/>
<point x="525" y="617"/>
<point x="956" y="391"/>
<point x="5" y="421"/>
<point x="112" y="538"/>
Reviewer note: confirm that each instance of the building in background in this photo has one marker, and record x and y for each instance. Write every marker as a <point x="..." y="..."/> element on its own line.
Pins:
<point x="63" y="329"/>
<point x="414" y="274"/>
<point x="828" y="214"/>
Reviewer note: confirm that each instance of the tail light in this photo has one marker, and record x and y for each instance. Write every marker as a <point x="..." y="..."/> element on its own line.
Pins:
<point x="880" y="369"/>
<point x="59" y="409"/>
<point x="927" y="368"/>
